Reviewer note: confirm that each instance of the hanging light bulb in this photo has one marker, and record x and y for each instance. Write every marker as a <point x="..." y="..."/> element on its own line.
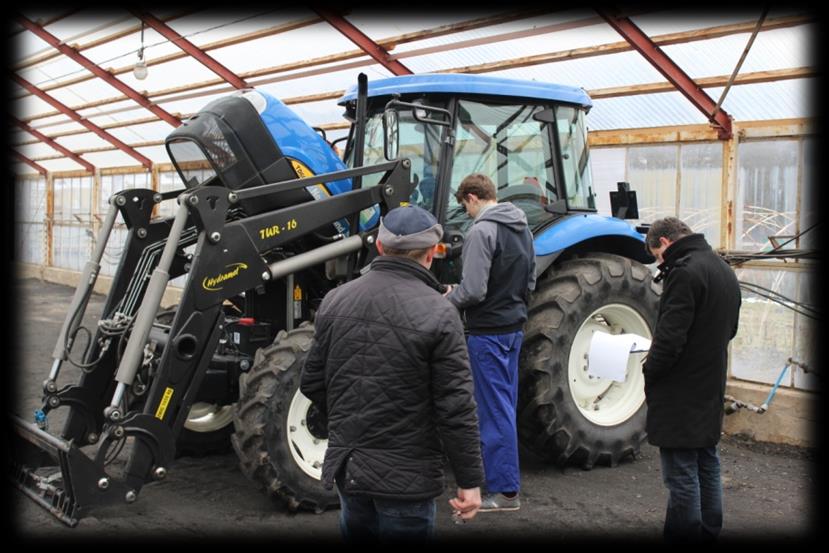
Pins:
<point x="139" y="70"/>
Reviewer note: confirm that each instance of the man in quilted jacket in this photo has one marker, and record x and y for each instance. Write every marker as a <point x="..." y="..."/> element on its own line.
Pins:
<point x="389" y="368"/>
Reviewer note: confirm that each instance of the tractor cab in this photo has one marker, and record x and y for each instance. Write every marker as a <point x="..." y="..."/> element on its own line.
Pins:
<point x="529" y="138"/>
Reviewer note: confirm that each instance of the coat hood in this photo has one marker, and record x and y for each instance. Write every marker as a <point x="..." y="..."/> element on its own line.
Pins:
<point x="506" y="214"/>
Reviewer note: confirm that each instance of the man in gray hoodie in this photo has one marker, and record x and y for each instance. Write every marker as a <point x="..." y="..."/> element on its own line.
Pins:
<point x="498" y="276"/>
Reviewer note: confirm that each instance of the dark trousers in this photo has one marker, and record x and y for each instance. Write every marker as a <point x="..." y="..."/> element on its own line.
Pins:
<point x="494" y="361"/>
<point x="372" y="520"/>
<point x="695" y="511"/>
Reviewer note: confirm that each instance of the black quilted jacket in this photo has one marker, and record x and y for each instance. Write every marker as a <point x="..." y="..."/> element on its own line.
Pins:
<point x="390" y="368"/>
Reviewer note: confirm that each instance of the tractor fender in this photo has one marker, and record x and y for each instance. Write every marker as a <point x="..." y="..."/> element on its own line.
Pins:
<point x="586" y="233"/>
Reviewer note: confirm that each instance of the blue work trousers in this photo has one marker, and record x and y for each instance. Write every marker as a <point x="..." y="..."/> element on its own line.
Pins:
<point x="494" y="360"/>
<point x="365" y="520"/>
<point x="695" y="511"/>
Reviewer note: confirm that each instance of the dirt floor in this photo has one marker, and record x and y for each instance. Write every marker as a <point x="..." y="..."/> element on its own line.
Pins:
<point x="771" y="491"/>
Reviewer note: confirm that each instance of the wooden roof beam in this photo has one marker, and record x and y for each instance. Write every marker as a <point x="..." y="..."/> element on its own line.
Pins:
<point x="51" y="143"/>
<point x="20" y="157"/>
<point x="87" y="64"/>
<point x="598" y="93"/>
<point x="389" y="43"/>
<point x="579" y="53"/>
<point x="355" y="35"/>
<point x="36" y="59"/>
<point x="191" y="49"/>
<point x="88" y="124"/>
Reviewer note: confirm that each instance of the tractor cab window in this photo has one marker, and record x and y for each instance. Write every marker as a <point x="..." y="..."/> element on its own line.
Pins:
<point x="192" y="165"/>
<point x="572" y="137"/>
<point x="418" y="142"/>
<point x="507" y="144"/>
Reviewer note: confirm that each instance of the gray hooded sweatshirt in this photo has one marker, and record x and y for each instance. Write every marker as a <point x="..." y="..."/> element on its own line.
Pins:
<point x="498" y="271"/>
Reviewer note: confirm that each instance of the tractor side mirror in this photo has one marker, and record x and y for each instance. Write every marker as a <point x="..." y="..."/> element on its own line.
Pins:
<point x="391" y="132"/>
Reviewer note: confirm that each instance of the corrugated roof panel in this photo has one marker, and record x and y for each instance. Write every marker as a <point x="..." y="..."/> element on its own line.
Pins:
<point x="777" y="100"/>
<point x="327" y="82"/>
<point x="503" y="28"/>
<point x="114" y="158"/>
<point x="776" y="49"/>
<point x="625" y="68"/>
<point x="516" y="48"/>
<point x="649" y="110"/>
<point x="313" y="41"/>
<point x="377" y="25"/>
<point x="56" y="165"/>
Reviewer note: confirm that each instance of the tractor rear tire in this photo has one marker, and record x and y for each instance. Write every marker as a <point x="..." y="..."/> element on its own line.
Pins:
<point x="279" y="438"/>
<point x="566" y="415"/>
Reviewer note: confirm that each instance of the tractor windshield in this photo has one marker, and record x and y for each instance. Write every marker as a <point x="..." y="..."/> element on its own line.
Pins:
<point x="505" y="143"/>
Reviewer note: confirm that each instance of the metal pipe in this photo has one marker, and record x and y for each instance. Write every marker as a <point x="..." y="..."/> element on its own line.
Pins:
<point x="289" y="302"/>
<point x="143" y="322"/>
<point x="77" y="307"/>
<point x="765" y="405"/>
<point x="740" y="62"/>
<point x="296" y="263"/>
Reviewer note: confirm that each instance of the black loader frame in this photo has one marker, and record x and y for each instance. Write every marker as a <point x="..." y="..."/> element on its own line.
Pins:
<point x="229" y="259"/>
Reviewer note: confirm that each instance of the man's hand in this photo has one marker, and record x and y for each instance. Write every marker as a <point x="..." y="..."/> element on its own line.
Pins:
<point x="449" y="288"/>
<point x="466" y="504"/>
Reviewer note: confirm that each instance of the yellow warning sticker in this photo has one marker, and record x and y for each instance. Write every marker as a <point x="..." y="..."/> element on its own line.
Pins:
<point x="162" y="407"/>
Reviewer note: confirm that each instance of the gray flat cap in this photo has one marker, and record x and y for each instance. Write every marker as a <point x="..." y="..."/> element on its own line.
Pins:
<point x="409" y="228"/>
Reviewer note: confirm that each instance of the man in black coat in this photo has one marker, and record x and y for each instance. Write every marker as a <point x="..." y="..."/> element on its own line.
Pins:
<point x="685" y="373"/>
<point x="390" y="369"/>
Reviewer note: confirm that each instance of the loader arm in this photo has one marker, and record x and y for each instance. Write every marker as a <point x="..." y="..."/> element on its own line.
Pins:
<point x="229" y="259"/>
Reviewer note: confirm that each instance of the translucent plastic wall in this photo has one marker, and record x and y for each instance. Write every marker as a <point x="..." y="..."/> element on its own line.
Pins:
<point x="774" y="197"/>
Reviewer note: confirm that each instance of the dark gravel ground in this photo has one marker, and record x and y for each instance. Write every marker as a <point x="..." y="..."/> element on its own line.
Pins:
<point x="772" y="492"/>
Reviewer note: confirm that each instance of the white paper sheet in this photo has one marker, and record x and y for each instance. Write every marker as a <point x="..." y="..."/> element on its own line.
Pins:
<point x="609" y="354"/>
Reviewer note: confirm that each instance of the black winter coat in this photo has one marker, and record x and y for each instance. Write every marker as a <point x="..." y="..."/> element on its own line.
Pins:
<point x="685" y="370"/>
<point x="390" y="368"/>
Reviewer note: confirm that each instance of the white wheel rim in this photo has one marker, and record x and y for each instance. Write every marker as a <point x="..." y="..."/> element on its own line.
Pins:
<point x="602" y="401"/>
<point x="307" y="450"/>
<point x="208" y="417"/>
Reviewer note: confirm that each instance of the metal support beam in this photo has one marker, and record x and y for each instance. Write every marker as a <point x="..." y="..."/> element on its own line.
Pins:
<point x="89" y="65"/>
<point x="643" y="44"/>
<point x="50" y="142"/>
<point x="49" y="21"/>
<point x="88" y="124"/>
<point x="355" y="35"/>
<point x="29" y="162"/>
<point x="194" y="51"/>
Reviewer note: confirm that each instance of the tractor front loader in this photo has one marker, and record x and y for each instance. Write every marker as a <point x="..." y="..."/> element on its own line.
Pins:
<point x="271" y="219"/>
<point x="143" y="379"/>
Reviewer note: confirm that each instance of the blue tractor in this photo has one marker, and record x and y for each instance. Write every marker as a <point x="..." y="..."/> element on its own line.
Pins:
<point x="270" y="219"/>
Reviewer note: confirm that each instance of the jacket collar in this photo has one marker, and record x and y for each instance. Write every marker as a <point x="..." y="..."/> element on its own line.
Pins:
<point x="408" y="266"/>
<point x="678" y="250"/>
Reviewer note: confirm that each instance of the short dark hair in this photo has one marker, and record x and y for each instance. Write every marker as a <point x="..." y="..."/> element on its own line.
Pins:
<point x="668" y="227"/>
<point x="478" y="184"/>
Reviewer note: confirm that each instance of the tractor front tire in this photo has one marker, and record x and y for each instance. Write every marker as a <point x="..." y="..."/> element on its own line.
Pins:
<point x="566" y="415"/>
<point x="279" y="436"/>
